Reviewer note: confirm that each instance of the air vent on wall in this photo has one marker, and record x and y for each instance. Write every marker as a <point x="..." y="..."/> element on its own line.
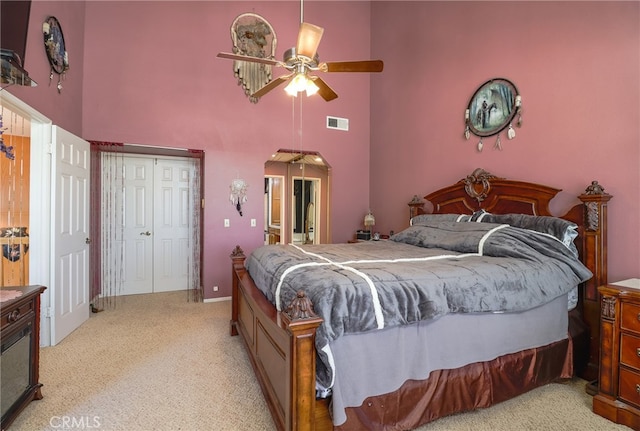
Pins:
<point x="337" y="123"/>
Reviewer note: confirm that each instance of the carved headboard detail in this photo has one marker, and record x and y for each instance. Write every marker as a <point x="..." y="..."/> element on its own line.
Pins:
<point x="483" y="190"/>
<point x="479" y="177"/>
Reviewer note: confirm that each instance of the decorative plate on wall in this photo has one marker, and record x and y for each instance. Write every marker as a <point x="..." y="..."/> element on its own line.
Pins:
<point x="491" y="109"/>
<point x="56" y="49"/>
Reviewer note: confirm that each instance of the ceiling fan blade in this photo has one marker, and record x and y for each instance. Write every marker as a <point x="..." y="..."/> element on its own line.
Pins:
<point x="271" y="85"/>
<point x="309" y="37"/>
<point x="324" y="90"/>
<point x="353" y="66"/>
<point x="248" y="58"/>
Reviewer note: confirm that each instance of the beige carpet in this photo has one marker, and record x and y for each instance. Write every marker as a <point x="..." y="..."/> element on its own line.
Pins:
<point x="158" y="362"/>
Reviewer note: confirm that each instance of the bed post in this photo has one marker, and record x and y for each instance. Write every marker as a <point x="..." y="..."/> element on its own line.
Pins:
<point x="416" y="206"/>
<point x="237" y="259"/>
<point x="301" y="323"/>
<point x="281" y="349"/>
<point x="594" y="248"/>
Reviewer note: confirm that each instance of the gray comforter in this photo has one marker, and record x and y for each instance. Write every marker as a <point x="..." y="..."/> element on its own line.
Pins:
<point x="423" y="272"/>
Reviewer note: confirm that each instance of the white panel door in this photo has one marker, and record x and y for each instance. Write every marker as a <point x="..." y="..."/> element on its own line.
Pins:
<point x="173" y="214"/>
<point x="70" y="245"/>
<point x="157" y="214"/>
<point x="137" y="229"/>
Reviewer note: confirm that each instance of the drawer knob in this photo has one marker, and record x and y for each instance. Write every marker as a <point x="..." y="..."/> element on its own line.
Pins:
<point x="638" y="316"/>
<point x="638" y="388"/>
<point x="638" y="351"/>
<point x="14" y="316"/>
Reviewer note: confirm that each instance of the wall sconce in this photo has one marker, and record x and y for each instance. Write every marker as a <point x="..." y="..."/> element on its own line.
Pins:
<point x="238" y="193"/>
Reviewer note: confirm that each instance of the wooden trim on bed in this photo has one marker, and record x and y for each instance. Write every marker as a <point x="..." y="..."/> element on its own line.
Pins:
<point x="594" y="256"/>
<point x="282" y="349"/>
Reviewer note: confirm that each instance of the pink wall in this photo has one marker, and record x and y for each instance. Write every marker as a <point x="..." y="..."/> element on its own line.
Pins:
<point x="146" y="73"/>
<point x="152" y="77"/>
<point x="577" y="66"/>
<point x="63" y="109"/>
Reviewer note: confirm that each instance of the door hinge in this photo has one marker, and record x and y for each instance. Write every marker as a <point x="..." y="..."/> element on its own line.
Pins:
<point x="49" y="148"/>
<point x="47" y="312"/>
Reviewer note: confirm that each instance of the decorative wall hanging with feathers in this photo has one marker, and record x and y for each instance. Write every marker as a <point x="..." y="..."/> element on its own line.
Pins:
<point x="238" y="194"/>
<point x="492" y="109"/>
<point x="252" y="36"/>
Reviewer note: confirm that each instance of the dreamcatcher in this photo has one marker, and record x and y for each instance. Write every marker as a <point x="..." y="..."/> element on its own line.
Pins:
<point x="56" y="50"/>
<point x="238" y="193"/>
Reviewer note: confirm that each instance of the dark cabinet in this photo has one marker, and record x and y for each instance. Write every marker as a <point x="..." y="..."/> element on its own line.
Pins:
<point x="20" y="348"/>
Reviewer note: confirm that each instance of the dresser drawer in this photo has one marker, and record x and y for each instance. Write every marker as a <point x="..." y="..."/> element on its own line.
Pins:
<point x="16" y="312"/>
<point x="630" y="317"/>
<point x="629" y="387"/>
<point x="630" y="351"/>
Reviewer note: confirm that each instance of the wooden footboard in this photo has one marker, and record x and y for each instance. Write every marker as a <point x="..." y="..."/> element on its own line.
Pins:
<point x="281" y="347"/>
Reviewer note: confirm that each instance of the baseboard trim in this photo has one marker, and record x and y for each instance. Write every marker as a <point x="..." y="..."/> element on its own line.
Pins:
<point x="220" y="299"/>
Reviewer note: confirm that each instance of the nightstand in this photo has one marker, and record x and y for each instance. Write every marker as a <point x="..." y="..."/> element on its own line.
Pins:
<point x="618" y="397"/>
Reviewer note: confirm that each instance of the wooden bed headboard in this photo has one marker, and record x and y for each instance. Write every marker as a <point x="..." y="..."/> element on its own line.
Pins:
<point x="482" y="190"/>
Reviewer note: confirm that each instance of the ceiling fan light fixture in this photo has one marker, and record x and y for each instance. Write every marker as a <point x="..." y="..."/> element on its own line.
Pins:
<point x="300" y="83"/>
<point x="312" y="88"/>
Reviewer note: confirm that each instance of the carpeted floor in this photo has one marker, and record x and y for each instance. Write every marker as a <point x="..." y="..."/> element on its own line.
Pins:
<point x="158" y="362"/>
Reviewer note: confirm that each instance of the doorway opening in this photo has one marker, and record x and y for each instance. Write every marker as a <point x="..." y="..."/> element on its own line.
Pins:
<point x="305" y="205"/>
<point x="15" y="138"/>
<point x="148" y="201"/>
<point x="297" y="198"/>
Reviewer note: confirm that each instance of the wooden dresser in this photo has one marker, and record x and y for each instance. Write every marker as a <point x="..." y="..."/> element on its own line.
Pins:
<point x="618" y="397"/>
<point x="20" y="340"/>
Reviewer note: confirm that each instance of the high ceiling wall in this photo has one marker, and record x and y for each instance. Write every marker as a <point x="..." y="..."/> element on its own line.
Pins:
<point x="146" y="73"/>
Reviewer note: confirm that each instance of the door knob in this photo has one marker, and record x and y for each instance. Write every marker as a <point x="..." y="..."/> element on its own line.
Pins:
<point x="87" y="241"/>
<point x="147" y="233"/>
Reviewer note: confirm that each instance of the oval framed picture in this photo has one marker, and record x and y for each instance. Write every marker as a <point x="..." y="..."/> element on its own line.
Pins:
<point x="492" y="107"/>
<point x="54" y="45"/>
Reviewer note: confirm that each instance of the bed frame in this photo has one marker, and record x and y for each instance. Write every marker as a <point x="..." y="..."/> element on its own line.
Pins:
<point x="281" y="345"/>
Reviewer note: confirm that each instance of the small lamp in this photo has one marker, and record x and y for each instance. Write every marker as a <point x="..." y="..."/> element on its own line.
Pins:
<point x="369" y="221"/>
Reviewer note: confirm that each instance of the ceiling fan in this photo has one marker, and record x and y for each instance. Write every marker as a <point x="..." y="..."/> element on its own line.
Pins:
<point x="302" y="62"/>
